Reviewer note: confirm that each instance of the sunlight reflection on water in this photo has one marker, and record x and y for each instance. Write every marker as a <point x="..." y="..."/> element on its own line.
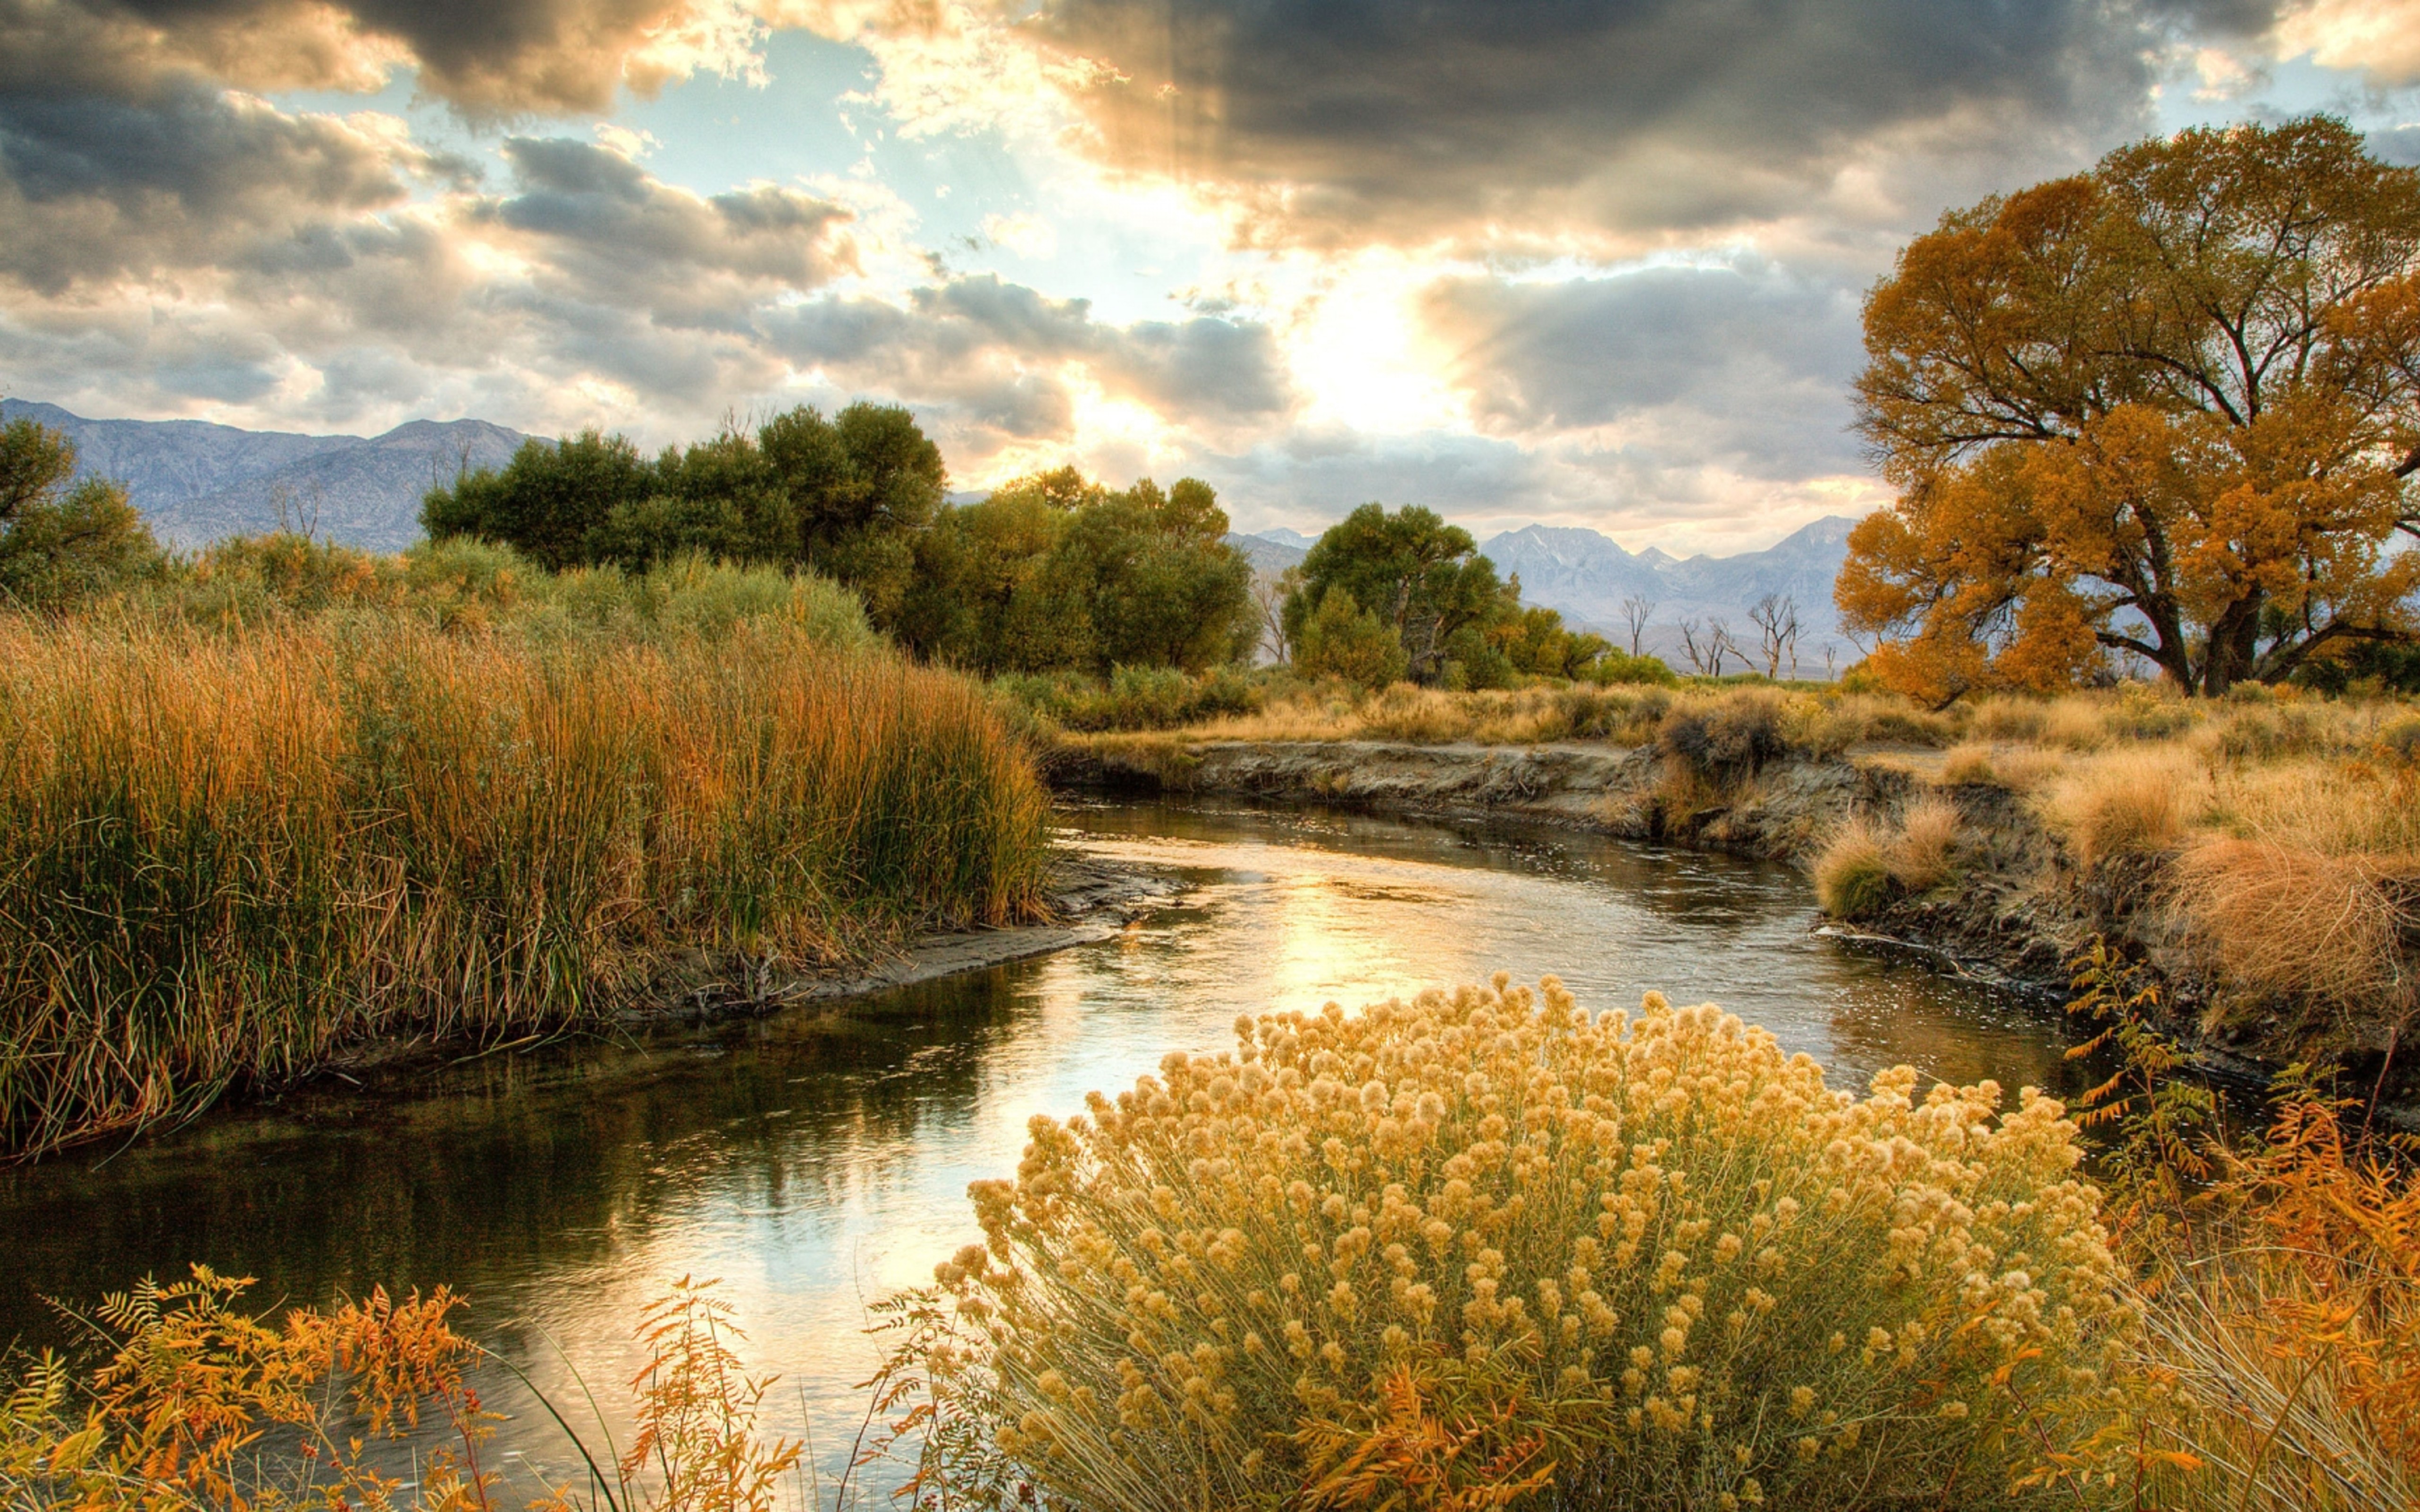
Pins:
<point x="816" y="1166"/>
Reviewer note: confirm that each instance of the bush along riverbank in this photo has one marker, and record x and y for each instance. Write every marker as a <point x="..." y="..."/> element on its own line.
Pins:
<point x="2260" y="855"/>
<point x="1485" y="1248"/>
<point x="234" y="845"/>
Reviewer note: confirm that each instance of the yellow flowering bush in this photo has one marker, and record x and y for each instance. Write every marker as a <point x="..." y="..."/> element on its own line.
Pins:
<point x="1659" y="1256"/>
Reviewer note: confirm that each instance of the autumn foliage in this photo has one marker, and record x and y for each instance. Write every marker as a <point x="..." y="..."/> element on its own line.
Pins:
<point x="2168" y="407"/>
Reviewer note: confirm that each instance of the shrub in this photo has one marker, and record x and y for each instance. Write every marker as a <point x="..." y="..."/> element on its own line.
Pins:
<point x="1660" y="1258"/>
<point x="2141" y="714"/>
<point x="1728" y="739"/>
<point x="1341" y="639"/>
<point x="1618" y="666"/>
<point x="2291" y="1329"/>
<point x="2399" y="741"/>
<point x="202" y="1405"/>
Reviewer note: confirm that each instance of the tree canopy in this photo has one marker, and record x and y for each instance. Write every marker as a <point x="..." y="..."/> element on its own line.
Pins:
<point x="2165" y="407"/>
<point x="1055" y="572"/>
<point x="1418" y="576"/>
<point x="60" y="539"/>
<point x="844" y="496"/>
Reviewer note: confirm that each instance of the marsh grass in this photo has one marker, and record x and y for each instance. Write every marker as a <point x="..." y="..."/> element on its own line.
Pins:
<point x="227" y="855"/>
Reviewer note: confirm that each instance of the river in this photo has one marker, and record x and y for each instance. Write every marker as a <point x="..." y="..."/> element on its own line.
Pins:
<point x="814" y="1162"/>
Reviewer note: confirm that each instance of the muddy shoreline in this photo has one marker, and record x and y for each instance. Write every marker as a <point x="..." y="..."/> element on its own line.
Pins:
<point x="2020" y="913"/>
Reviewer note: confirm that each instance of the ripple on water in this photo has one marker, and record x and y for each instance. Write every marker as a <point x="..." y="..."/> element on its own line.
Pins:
<point x="814" y="1166"/>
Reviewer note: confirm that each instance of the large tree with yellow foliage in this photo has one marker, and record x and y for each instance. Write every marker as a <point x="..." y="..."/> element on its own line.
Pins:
<point x="2170" y="406"/>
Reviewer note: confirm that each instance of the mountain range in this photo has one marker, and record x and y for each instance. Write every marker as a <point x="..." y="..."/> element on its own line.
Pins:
<point x="197" y="483"/>
<point x="1587" y="576"/>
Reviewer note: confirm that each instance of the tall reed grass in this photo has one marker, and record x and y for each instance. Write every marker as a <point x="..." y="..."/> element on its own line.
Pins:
<point x="224" y="856"/>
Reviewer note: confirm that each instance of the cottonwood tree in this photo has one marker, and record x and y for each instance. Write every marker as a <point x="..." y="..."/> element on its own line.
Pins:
<point x="2170" y="407"/>
<point x="1695" y="645"/>
<point x="1269" y="596"/>
<point x="1720" y="644"/>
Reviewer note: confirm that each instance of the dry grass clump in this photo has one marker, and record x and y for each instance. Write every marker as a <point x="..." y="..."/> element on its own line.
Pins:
<point x="1919" y="858"/>
<point x="1970" y="765"/>
<point x="225" y="858"/>
<point x="1852" y="873"/>
<point x="1659" y="1261"/>
<point x="2125" y="803"/>
<point x="2287" y="920"/>
<point x="1863" y="867"/>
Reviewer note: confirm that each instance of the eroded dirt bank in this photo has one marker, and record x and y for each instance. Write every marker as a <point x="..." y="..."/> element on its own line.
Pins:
<point x="2016" y="910"/>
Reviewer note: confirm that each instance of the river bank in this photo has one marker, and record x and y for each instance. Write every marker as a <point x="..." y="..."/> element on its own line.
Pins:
<point x="2013" y="901"/>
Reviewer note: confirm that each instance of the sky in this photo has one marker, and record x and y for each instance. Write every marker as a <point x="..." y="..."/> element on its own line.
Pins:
<point x="1576" y="262"/>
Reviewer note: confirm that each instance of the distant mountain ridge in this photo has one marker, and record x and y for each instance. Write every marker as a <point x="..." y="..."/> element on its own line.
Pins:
<point x="1586" y="575"/>
<point x="198" y="483"/>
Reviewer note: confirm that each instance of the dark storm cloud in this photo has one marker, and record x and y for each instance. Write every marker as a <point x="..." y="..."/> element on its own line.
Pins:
<point x="94" y="188"/>
<point x="1355" y="118"/>
<point x="1746" y="362"/>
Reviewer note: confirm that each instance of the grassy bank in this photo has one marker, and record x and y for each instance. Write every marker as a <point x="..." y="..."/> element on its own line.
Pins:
<point x="248" y="827"/>
<point x="2261" y="851"/>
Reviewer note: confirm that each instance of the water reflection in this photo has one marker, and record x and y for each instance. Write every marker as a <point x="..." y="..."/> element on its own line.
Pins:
<point x="817" y="1162"/>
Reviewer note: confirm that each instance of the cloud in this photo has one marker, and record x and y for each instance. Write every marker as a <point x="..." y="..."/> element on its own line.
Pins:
<point x="1742" y="362"/>
<point x="1335" y="121"/>
<point x="97" y="188"/>
<point x="492" y="59"/>
<point x="2379" y="38"/>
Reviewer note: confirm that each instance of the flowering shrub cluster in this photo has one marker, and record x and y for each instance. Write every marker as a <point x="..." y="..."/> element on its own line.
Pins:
<point x="1659" y="1258"/>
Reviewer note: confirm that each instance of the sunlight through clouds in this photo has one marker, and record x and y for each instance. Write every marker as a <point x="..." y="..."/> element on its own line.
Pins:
<point x="1241" y="242"/>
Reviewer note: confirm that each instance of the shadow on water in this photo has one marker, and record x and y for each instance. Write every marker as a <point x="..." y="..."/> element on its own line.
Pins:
<point x="815" y="1160"/>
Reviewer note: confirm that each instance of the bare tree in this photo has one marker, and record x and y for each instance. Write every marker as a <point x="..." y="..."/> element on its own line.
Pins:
<point x="1720" y="644"/>
<point x="297" y="515"/>
<point x="1830" y="675"/>
<point x="1775" y="618"/>
<point x="1269" y="596"/>
<point x="1635" y="608"/>
<point x="1695" y="645"/>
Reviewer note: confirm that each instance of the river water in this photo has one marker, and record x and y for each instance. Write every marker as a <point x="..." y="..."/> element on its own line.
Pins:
<point x="815" y="1165"/>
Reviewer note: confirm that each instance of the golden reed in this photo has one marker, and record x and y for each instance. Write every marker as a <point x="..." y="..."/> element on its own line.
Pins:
<point x="224" y="857"/>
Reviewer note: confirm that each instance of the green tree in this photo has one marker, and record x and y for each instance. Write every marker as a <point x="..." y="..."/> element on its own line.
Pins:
<point x="2169" y="407"/>
<point x="1164" y="587"/>
<point x="550" y="502"/>
<point x="984" y="596"/>
<point x="862" y="485"/>
<point x="845" y="496"/>
<point x="1418" y="575"/>
<point x="1053" y="572"/>
<point x="62" y="541"/>
<point x="1341" y="639"/>
<point x="1535" y="640"/>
